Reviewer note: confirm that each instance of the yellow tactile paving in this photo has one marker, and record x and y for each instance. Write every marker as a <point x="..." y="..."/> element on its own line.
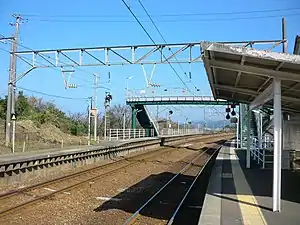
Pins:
<point x="250" y="210"/>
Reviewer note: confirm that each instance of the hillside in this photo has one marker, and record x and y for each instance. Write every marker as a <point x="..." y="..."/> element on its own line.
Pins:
<point x="42" y="125"/>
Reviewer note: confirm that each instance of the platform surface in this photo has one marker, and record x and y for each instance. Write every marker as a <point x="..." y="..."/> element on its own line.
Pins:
<point x="10" y="157"/>
<point x="15" y="157"/>
<point x="237" y="195"/>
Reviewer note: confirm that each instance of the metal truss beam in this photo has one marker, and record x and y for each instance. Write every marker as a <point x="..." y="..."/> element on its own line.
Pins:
<point x="126" y="55"/>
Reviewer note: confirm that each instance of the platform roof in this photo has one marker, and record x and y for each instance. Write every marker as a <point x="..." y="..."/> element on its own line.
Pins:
<point x="240" y="73"/>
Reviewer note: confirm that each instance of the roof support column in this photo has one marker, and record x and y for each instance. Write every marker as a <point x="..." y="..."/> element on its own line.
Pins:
<point x="133" y="118"/>
<point x="248" y="137"/>
<point x="241" y="124"/>
<point x="260" y="130"/>
<point x="277" y="145"/>
<point x="237" y="132"/>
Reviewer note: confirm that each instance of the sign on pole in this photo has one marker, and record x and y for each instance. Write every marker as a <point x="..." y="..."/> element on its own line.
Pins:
<point x="93" y="112"/>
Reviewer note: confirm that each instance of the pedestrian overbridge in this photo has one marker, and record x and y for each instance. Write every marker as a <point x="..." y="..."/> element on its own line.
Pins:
<point x="176" y="100"/>
<point x="140" y="112"/>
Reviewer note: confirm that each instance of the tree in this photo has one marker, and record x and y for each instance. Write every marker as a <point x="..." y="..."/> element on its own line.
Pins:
<point x="43" y="112"/>
<point x="23" y="108"/>
<point x="3" y="105"/>
<point x="116" y="114"/>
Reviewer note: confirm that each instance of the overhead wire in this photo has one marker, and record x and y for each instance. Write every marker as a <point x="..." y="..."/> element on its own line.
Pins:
<point x="155" y="44"/>
<point x="41" y="64"/>
<point x="166" y="15"/>
<point x="52" y="95"/>
<point x="51" y="58"/>
<point x="178" y="20"/>
<point x="161" y="35"/>
<point x="77" y="68"/>
<point x="42" y="93"/>
<point x="47" y="94"/>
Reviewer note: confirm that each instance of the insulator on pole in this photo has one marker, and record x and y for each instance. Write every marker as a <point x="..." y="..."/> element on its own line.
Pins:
<point x="72" y="86"/>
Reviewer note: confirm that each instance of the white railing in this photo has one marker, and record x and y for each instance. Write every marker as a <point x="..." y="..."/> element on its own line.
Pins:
<point x="166" y="131"/>
<point x="126" y="134"/>
<point x="172" y="98"/>
<point x="152" y="119"/>
<point x="259" y="148"/>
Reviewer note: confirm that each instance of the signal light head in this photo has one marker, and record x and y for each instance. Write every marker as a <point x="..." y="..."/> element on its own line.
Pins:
<point x="227" y="116"/>
<point x="233" y="113"/>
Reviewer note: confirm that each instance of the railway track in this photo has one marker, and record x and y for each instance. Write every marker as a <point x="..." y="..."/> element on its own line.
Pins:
<point x="24" y="197"/>
<point x="169" y="202"/>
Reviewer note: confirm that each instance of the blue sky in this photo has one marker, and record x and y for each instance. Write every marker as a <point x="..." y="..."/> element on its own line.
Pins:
<point x="45" y="29"/>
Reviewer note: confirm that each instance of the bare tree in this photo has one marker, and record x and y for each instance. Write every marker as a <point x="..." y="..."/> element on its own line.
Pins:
<point x="117" y="113"/>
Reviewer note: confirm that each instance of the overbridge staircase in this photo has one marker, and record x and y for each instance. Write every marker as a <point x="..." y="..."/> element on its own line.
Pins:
<point x="145" y="120"/>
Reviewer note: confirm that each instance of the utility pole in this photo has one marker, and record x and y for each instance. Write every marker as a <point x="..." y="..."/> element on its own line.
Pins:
<point x="124" y="121"/>
<point x="89" y="121"/>
<point x="12" y="83"/>
<point x="284" y="37"/>
<point x="204" y="118"/>
<point x="105" y="121"/>
<point x="95" y="106"/>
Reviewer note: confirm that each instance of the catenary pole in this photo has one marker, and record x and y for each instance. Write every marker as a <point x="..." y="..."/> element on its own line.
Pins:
<point x="12" y="83"/>
<point x="95" y="106"/>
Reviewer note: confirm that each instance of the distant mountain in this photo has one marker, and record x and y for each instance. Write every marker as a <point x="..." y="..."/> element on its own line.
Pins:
<point x="211" y="123"/>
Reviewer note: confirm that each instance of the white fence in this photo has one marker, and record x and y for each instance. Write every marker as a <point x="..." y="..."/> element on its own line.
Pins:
<point x="126" y="134"/>
<point x="260" y="148"/>
<point x="166" y="131"/>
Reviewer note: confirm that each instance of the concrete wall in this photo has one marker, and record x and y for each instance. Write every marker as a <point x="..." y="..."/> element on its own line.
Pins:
<point x="291" y="133"/>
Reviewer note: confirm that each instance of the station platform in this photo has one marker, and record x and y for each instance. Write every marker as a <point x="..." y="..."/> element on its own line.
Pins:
<point x="17" y="156"/>
<point x="236" y="195"/>
<point x="53" y="152"/>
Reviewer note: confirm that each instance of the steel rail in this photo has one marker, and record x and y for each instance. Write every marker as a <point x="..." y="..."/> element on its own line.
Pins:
<point x="139" y="157"/>
<point x="134" y="216"/>
<point x="27" y="203"/>
<point x="171" y="220"/>
<point x="48" y="182"/>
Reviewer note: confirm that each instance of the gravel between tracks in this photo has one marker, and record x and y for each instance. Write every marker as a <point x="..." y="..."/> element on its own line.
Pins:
<point x="84" y="205"/>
